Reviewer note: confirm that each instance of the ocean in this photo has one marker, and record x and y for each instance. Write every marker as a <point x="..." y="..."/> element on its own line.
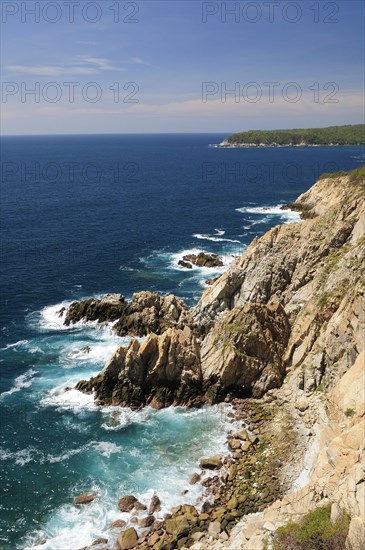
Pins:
<point x="84" y="216"/>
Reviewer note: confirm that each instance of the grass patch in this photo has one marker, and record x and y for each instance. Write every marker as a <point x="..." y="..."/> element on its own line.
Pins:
<point x="315" y="531"/>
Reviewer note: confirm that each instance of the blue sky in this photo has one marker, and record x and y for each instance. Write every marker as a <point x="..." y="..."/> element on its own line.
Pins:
<point x="146" y="68"/>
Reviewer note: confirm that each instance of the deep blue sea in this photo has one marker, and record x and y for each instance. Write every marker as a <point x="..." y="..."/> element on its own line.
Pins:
<point x="88" y="215"/>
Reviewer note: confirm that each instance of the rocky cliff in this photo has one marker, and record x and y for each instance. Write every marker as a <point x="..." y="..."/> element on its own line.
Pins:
<point x="294" y="300"/>
<point x="285" y="327"/>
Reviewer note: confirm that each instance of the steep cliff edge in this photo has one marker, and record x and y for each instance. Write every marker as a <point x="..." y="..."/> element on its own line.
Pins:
<point x="293" y="301"/>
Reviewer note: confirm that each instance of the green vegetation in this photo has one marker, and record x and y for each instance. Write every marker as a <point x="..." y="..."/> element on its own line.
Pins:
<point x="332" y="135"/>
<point x="350" y="412"/>
<point x="356" y="176"/>
<point x="315" y="531"/>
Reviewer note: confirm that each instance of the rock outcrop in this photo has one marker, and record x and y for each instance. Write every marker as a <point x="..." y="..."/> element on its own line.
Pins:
<point x="161" y="371"/>
<point x="106" y="309"/>
<point x="146" y="312"/>
<point x="201" y="260"/>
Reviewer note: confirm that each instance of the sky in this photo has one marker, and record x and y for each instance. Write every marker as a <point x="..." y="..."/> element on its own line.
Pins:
<point x="76" y="67"/>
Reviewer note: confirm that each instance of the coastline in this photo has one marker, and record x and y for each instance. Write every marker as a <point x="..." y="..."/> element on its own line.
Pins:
<point x="272" y="458"/>
<point x="284" y="419"/>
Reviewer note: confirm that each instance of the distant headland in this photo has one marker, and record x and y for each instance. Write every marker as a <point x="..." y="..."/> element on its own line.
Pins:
<point x="309" y="137"/>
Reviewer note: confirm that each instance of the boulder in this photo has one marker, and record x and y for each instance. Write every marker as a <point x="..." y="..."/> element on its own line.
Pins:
<point x="194" y="479"/>
<point x="185" y="264"/>
<point x="127" y="539"/>
<point x="211" y="463"/>
<point x="146" y="521"/>
<point x="85" y="498"/>
<point x="118" y="524"/>
<point x="155" y="505"/>
<point x="127" y="503"/>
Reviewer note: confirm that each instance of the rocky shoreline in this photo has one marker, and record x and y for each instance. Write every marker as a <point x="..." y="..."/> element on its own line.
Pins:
<point x="274" y="335"/>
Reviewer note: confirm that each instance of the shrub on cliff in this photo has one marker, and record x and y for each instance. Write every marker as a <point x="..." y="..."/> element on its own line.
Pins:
<point x="315" y="532"/>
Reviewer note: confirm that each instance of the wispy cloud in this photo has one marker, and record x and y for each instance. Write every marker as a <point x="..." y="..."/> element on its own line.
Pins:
<point x="49" y="70"/>
<point x="80" y="65"/>
<point x="99" y="63"/>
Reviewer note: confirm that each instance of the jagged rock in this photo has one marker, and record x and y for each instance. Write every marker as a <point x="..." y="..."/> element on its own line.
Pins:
<point x="247" y="338"/>
<point x="146" y="312"/>
<point x="85" y="498"/>
<point x="99" y="541"/>
<point x="108" y="308"/>
<point x="161" y="371"/>
<point x="149" y="312"/>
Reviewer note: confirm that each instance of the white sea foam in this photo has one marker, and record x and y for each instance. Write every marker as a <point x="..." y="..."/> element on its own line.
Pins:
<point x="21" y="457"/>
<point x="86" y="352"/>
<point x="287" y="216"/>
<point x="71" y="400"/>
<point x="20" y="343"/>
<point x="23" y="381"/>
<point x="76" y="527"/>
<point x="52" y="317"/>
<point x="104" y="448"/>
<point x="214" y="238"/>
<point x="118" y="418"/>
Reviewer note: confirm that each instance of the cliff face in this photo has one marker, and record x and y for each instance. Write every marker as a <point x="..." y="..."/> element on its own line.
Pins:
<point x="316" y="270"/>
<point x="293" y="301"/>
